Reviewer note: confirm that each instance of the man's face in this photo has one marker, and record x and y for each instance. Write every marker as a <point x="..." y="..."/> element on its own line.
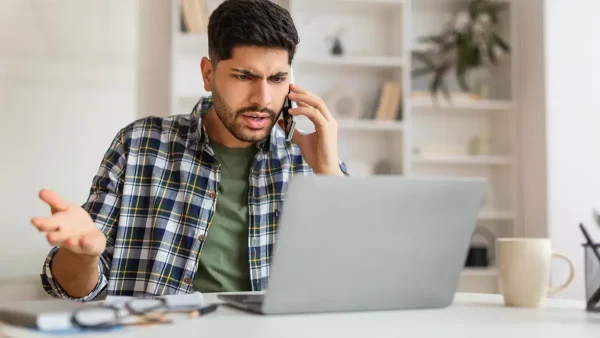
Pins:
<point x="249" y="90"/>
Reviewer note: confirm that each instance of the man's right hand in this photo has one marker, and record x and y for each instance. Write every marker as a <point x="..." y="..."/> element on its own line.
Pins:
<point x="70" y="227"/>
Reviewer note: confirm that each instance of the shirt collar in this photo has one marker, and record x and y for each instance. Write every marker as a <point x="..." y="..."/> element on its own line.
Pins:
<point x="198" y="135"/>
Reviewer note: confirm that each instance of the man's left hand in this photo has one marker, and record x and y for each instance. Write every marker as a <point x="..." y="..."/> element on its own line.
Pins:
<point x="320" y="148"/>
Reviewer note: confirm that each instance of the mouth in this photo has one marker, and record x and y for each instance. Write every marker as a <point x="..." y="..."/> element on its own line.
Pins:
<point x="256" y="115"/>
<point x="256" y="120"/>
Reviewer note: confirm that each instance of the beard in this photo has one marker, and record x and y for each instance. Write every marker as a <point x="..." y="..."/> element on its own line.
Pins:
<point x="232" y="120"/>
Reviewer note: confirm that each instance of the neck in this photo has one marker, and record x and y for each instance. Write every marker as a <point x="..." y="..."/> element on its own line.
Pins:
<point x="217" y="132"/>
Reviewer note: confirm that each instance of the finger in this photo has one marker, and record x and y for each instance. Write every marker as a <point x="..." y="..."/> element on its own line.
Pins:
<point x="88" y="246"/>
<point x="48" y="224"/>
<point x="312" y="114"/>
<point x="56" y="238"/>
<point x="313" y="101"/>
<point x="297" y="89"/>
<point x="71" y="244"/>
<point x="85" y="244"/>
<point x="93" y="245"/>
<point x="300" y="90"/>
<point x="53" y="200"/>
<point x="299" y="139"/>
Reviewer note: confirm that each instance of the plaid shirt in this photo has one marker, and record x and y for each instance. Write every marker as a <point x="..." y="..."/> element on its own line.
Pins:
<point x="155" y="195"/>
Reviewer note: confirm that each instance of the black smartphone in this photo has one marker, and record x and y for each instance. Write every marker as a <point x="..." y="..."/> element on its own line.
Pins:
<point x="289" y="121"/>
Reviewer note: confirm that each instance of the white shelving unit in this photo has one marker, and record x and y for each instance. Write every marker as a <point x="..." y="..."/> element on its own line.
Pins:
<point x="378" y="39"/>
<point x="456" y="124"/>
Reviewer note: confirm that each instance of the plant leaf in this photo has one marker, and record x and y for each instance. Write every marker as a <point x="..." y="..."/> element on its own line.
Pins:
<point x="492" y="56"/>
<point x="445" y="91"/>
<point x="474" y="8"/>
<point x="421" y="71"/>
<point x="503" y="44"/>
<point x="494" y="9"/>
<point x="432" y="38"/>
<point x="596" y="216"/>
<point x="462" y="82"/>
<point x="424" y="59"/>
<point x="435" y="83"/>
<point x="438" y="78"/>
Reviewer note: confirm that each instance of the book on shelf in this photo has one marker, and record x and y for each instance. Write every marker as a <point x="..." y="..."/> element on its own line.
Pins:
<point x="390" y="100"/>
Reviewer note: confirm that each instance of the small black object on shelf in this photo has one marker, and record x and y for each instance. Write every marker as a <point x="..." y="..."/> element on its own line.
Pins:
<point x="481" y="256"/>
<point x="477" y="257"/>
<point x="337" y="48"/>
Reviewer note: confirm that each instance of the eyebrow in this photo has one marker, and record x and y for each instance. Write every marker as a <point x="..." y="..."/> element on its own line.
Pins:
<point x="249" y="73"/>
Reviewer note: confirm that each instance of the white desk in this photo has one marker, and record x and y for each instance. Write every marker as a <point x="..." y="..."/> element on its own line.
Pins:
<point x="471" y="315"/>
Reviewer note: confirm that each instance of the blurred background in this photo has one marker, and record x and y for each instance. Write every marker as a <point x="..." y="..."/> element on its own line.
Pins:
<point x="502" y="90"/>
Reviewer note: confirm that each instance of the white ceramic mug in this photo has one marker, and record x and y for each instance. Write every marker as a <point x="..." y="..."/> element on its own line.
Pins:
<point x="524" y="271"/>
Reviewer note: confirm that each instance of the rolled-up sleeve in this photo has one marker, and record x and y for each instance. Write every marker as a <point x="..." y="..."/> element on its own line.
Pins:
<point x="54" y="289"/>
<point x="103" y="205"/>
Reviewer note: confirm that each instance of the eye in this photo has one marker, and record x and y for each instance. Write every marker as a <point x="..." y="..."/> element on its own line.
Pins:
<point x="243" y="77"/>
<point x="278" y="79"/>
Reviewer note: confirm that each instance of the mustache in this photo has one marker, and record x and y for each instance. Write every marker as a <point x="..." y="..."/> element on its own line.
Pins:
<point x="255" y="109"/>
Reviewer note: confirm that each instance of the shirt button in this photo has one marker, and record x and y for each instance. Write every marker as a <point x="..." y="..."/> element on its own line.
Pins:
<point x="201" y="237"/>
<point x="212" y="194"/>
<point x="187" y="281"/>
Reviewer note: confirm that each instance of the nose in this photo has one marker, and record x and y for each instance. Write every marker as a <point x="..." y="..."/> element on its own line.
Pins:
<point x="261" y="95"/>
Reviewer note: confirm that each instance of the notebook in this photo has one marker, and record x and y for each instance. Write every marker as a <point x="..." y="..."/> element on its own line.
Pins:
<point x="44" y="315"/>
<point x="55" y="314"/>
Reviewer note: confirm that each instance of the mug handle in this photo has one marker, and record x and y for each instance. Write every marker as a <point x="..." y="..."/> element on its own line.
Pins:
<point x="560" y="288"/>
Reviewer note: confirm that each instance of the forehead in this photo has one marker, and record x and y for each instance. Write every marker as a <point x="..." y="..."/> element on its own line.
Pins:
<point x="258" y="59"/>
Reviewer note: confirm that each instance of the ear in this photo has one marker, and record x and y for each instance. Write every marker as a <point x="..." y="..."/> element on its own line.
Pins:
<point x="207" y="73"/>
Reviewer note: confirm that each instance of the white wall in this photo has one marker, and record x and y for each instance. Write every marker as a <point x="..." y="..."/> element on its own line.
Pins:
<point x="67" y="84"/>
<point x="573" y="122"/>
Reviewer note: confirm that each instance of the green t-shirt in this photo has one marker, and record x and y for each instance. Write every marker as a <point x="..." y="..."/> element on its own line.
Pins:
<point x="223" y="264"/>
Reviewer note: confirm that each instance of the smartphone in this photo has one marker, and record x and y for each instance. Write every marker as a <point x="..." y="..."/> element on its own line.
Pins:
<point x="289" y="121"/>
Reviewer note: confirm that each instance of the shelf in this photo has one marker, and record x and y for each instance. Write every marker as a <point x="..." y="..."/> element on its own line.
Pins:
<point x="370" y="125"/>
<point x="496" y="216"/>
<point x="473" y="105"/>
<point x="362" y="61"/>
<point x="479" y="272"/>
<point x="463" y="159"/>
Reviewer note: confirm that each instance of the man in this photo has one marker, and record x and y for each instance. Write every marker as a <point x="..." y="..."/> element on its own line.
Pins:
<point x="191" y="203"/>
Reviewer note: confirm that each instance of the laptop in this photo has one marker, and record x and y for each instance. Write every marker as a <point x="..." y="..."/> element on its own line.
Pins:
<point x="368" y="244"/>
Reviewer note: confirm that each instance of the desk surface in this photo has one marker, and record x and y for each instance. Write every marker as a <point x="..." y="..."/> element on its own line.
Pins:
<point x="471" y="315"/>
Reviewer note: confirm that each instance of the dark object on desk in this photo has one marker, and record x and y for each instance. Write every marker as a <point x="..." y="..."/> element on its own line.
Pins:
<point x="592" y="277"/>
<point x="592" y="272"/>
<point x="477" y="257"/>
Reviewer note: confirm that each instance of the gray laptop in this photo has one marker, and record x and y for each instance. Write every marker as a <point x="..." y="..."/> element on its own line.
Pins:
<point x="368" y="243"/>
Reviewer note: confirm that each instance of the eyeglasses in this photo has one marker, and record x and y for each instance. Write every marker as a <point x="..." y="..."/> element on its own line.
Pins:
<point x="134" y="312"/>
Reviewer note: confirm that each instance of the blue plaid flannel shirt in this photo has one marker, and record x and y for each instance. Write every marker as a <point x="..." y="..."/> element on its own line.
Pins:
<point x="155" y="194"/>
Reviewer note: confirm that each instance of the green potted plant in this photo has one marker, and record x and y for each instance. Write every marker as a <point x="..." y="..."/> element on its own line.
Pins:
<point x="468" y="42"/>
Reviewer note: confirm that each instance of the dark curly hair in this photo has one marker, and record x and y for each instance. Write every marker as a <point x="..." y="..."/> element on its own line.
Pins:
<point x="250" y="23"/>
